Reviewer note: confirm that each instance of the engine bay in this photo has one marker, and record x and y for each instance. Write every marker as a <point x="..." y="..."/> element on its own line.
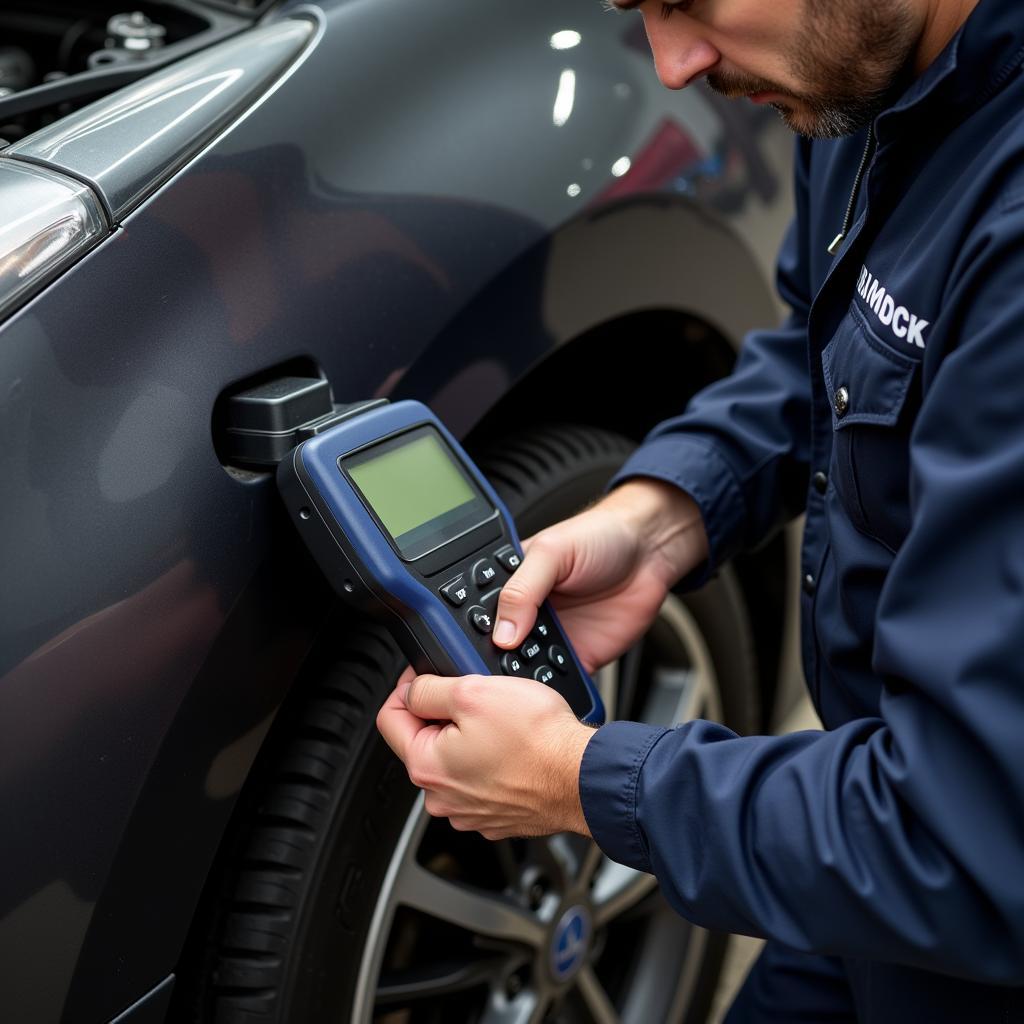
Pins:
<point x="58" y="56"/>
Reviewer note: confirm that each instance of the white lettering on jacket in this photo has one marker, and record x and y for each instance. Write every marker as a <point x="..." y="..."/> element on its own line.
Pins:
<point x="905" y="325"/>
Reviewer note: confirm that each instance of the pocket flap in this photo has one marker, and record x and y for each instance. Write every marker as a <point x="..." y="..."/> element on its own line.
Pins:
<point x="874" y="379"/>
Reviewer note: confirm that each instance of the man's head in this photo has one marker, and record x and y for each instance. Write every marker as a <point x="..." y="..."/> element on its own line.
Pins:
<point x="825" y="65"/>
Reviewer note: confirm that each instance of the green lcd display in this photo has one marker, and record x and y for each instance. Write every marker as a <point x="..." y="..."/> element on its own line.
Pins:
<point x="417" y="491"/>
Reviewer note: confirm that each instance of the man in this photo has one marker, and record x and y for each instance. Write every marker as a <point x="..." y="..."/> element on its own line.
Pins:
<point x="884" y="858"/>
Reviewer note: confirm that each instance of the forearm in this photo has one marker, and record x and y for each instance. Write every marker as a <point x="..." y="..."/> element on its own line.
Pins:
<point x="811" y="839"/>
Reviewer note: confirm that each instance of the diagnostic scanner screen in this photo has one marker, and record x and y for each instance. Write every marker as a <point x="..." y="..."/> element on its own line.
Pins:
<point x="417" y="490"/>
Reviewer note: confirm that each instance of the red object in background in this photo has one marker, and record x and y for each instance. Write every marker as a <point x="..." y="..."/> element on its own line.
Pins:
<point x="669" y="152"/>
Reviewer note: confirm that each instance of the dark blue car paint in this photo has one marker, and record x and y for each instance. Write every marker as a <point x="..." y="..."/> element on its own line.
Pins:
<point x="398" y="213"/>
<point x="895" y="839"/>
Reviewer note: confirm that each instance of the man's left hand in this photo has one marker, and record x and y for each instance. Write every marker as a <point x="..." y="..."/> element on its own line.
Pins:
<point x="496" y="755"/>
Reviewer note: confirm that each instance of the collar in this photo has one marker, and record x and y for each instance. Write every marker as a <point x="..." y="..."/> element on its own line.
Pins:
<point x="982" y="58"/>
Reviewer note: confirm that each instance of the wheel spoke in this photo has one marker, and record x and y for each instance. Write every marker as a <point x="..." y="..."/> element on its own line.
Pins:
<point x="676" y="695"/>
<point x="682" y="692"/>
<point x="617" y="889"/>
<point x="399" y="988"/>
<point x="692" y="698"/>
<point x="478" y="912"/>
<point x="593" y="858"/>
<point x="555" y="856"/>
<point x="596" y="999"/>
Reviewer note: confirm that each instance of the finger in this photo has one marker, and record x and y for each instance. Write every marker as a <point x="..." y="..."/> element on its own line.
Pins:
<point x="435" y="698"/>
<point x="526" y="590"/>
<point x="397" y="725"/>
<point x="407" y="676"/>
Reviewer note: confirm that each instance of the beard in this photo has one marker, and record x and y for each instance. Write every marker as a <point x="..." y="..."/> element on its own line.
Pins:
<point x="848" y="57"/>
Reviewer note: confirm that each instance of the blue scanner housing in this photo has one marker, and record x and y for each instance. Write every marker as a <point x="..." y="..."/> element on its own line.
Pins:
<point x="370" y="568"/>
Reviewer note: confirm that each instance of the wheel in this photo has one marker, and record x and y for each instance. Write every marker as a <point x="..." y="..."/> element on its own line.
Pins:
<point x="340" y="899"/>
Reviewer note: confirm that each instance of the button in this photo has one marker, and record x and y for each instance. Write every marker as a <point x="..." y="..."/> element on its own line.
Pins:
<point x="455" y="591"/>
<point x="544" y="674"/>
<point x="808" y="584"/>
<point x="841" y="401"/>
<point x="481" y="619"/>
<point x="541" y="630"/>
<point x="530" y="650"/>
<point x="559" y="657"/>
<point x="511" y="663"/>
<point x="820" y="482"/>
<point x="483" y="572"/>
<point x="508" y="557"/>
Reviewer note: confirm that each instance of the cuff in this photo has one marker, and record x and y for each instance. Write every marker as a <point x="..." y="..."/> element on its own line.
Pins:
<point x="609" y="774"/>
<point x="695" y="466"/>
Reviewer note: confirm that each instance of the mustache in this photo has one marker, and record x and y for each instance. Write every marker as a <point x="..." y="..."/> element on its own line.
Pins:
<point x="735" y="86"/>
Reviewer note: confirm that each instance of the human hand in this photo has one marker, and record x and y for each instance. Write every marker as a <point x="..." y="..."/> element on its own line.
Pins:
<point x="606" y="570"/>
<point x="496" y="755"/>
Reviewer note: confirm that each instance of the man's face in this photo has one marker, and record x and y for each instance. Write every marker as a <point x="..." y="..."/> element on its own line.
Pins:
<point x="824" y="65"/>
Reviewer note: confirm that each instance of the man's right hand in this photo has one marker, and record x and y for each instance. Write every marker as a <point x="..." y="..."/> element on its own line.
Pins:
<point x="606" y="570"/>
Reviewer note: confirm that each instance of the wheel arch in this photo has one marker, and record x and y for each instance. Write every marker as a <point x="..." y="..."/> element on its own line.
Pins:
<point x="667" y="282"/>
<point x="659" y="273"/>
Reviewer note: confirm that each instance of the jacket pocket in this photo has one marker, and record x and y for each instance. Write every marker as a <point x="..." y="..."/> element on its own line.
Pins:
<point x="868" y="387"/>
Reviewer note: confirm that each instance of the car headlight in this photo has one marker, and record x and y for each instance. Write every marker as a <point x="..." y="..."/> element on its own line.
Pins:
<point x="46" y="222"/>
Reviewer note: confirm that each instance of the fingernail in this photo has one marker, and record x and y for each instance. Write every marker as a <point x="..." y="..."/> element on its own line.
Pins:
<point x="405" y="693"/>
<point x="504" y="631"/>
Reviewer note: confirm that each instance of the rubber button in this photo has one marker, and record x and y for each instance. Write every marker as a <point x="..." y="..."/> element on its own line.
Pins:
<point x="544" y="674"/>
<point x="559" y="658"/>
<point x="508" y="558"/>
<point x="542" y="631"/>
<point x="481" y="619"/>
<point x="512" y="664"/>
<point x="484" y="572"/>
<point x="820" y="482"/>
<point x="530" y="650"/>
<point x="455" y="591"/>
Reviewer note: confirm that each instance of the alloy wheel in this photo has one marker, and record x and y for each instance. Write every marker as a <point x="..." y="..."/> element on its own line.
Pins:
<point x="547" y="930"/>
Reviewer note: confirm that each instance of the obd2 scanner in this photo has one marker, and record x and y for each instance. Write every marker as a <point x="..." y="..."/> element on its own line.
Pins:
<point x="406" y="528"/>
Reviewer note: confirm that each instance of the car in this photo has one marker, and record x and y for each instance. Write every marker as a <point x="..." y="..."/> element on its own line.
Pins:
<point x="492" y="208"/>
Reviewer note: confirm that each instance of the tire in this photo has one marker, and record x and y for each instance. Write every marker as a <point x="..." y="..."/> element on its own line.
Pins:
<point x="302" y="912"/>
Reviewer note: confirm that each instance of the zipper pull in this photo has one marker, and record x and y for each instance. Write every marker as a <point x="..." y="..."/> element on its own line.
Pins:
<point x="848" y="219"/>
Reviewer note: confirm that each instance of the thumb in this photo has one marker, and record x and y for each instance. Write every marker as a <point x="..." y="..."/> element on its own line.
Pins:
<point x="432" y="698"/>
<point x="525" y="591"/>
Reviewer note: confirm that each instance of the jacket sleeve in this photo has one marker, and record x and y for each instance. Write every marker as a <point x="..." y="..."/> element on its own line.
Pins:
<point x="901" y="837"/>
<point x="740" y="449"/>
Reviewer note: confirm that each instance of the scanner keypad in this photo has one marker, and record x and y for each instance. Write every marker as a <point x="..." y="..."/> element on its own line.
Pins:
<point x="474" y="586"/>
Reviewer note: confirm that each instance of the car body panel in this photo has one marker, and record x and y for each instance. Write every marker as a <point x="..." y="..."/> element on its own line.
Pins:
<point x="125" y="144"/>
<point x="399" y="213"/>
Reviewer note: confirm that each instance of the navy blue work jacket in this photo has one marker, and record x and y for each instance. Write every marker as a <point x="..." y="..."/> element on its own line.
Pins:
<point x="897" y="836"/>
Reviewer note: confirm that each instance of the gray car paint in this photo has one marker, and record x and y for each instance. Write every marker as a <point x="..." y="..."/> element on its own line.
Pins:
<point x="400" y="213"/>
<point x="128" y="143"/>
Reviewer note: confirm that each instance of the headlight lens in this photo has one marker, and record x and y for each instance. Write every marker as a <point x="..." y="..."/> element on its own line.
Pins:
<point x="46" y="222"/>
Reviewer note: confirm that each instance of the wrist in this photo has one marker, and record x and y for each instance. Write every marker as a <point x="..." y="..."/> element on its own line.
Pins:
<point x="571" y="748"/>
<point x="665" y="520"/>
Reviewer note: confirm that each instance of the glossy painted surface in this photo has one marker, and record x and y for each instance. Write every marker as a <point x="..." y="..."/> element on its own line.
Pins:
<point x="127" y="143"/>
<point x="400" y="211"/>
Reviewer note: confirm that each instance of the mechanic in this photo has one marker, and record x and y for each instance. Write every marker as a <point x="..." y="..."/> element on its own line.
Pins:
<point x="883" y="859"/>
